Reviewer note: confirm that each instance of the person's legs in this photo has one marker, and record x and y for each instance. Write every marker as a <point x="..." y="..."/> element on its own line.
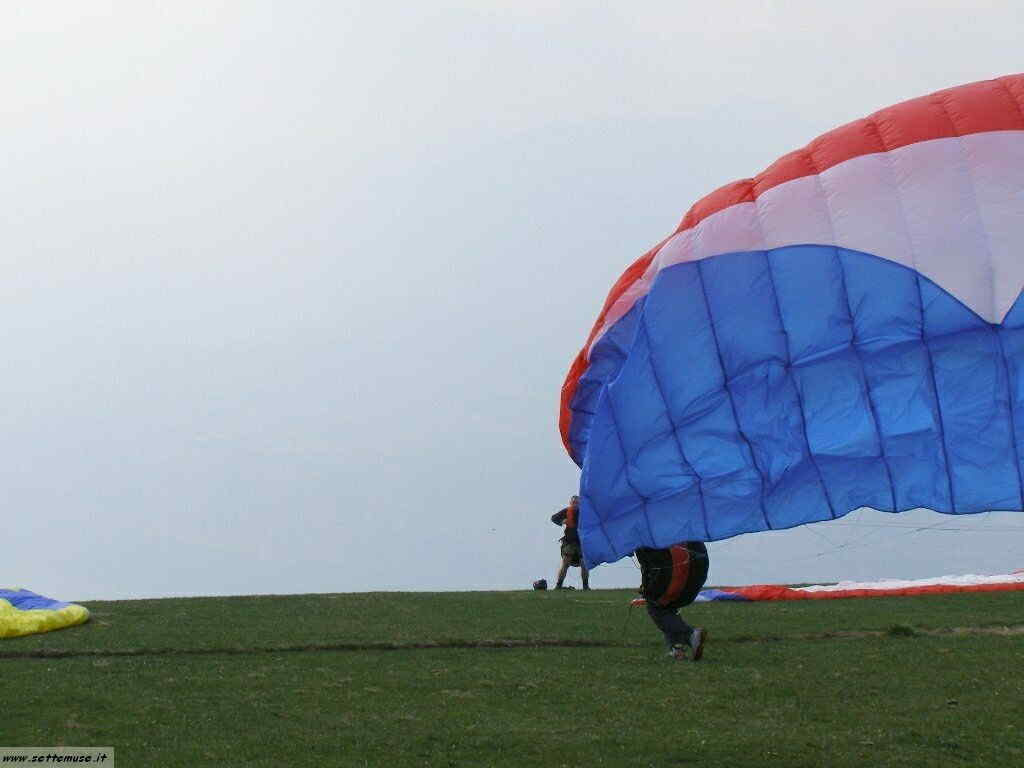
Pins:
<point x="562" y="571"/>
<point x="697" y="638"/>
<point x="585" y="575"/>
<point x="671" y="624"/>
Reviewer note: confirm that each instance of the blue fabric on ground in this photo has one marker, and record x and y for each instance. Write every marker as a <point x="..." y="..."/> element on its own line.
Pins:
<point x="24" y="600"/>
<point x="715" y="595"/>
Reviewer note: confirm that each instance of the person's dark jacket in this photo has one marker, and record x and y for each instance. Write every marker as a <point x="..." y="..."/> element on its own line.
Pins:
<point x="567" y="516"/>
<point x="672" y="577"/>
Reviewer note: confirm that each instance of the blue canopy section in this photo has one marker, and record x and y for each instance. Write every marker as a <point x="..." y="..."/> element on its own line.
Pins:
<point x="24" y="600"/>
<point x="768" y="389"/>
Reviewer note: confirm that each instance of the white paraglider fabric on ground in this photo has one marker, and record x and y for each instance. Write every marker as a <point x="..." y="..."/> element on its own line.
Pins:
<point x="881" y="588"/>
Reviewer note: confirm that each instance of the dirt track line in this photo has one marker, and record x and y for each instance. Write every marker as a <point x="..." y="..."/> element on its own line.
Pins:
<point x="44" y="653"/>
<point x="895" y="631"/>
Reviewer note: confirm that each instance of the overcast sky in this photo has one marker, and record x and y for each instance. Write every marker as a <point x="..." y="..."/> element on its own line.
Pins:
<point x="289" y="289"/>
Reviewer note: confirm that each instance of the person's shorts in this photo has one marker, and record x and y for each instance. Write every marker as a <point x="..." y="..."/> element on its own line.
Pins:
<point x="571" y="549"/>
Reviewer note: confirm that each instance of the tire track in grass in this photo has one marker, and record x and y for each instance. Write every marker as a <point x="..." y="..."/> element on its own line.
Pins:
<point x="897" y="630"/>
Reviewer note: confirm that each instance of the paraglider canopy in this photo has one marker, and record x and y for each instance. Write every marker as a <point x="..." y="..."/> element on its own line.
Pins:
<point x="23" y="612"/>
<point x="842" y="330"/>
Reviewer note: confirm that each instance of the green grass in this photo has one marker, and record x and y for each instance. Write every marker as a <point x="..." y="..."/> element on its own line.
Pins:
<point x="524" y="679"/>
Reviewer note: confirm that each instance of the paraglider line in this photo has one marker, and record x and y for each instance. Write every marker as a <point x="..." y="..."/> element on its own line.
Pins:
<point x="625" y="624"/>
<point x="833" y="547"/>
<point x="916" y="527"/>
<point x="879" y="528"/>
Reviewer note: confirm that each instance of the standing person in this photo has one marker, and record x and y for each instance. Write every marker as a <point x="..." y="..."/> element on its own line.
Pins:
<point x="572" y="553"/>
<point x="671" y="579"/>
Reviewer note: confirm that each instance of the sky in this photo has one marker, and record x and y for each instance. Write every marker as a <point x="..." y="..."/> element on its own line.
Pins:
<point x="288" y="290"/>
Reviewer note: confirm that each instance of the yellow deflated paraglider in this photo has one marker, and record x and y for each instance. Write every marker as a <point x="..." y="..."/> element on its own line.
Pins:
<point x="23" y="612"/>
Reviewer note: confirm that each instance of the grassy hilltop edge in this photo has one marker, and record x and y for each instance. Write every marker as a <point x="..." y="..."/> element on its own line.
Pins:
<point x="516" y="678"/>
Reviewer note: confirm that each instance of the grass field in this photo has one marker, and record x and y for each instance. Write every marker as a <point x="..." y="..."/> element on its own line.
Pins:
<point x="525" y="679"/>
